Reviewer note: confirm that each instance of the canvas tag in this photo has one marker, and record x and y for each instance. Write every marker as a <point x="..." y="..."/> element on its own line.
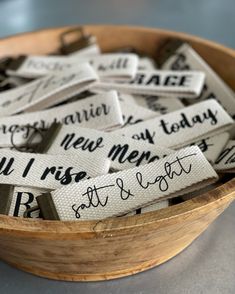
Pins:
<point x="118" y="193"/>
<point x="146" y="63"/>
<point x="182" y="127"/>
<point x="123" y="152"/>
<point x="24" y="198"/>
<point x="48" y="171"/>
<point x="133" y="114"/>
<point x="114" y="66"/>
<point x="93" y="49"/>
<point x="127" y="98"/>
<point x="47" y="91"/>
<point x="212" y="146"/>
<point x="186" y="58"/>
<point x="101" y="112"/>
<point x="162" y="105"/>
<point x="159" y="82"/>
<point x="226" y="160"/>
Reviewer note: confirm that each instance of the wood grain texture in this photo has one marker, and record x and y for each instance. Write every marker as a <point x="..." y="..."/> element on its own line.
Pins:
<point x="115" y="247"/>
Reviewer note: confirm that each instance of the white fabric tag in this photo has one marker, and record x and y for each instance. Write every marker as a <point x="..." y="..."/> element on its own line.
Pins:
<point x="133" y="114"/>
<point x="122" y="151"/>
<point x="93" y="49"/>
<point x="182" y="127"/>
<point x="24" y="198"/>
<point x="47" y="91"/>
<point x="152" y="207"/>
<point x="114" y="66"/>
<point x="126" y="98"/>
<point x="146" y="63"/>
<point x="118" y="193"/>
<point x="226" y="160"/>
<point x="123" y="97"/>
<point x="48" y="171"/>
<point x="101" y="112"/>
<point x="187" y="58"/>
<point x="159" y="82"/>
<point x="160" y="104"/>
<point x="38" y="66"/>
<point x="212" y="146"/>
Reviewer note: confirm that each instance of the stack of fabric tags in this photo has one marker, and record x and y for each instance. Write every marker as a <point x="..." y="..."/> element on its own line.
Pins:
<point x="90" y="135"/>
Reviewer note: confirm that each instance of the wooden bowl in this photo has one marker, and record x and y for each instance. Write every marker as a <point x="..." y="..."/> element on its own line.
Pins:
<point x="116" y="247"/>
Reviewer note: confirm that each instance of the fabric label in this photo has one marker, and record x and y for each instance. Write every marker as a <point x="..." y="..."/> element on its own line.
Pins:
<point x="133" y="114"/>
<point x="163" y="105"/>
<point x="159" y="82"/>
<point x="123" y="152"/>
<point x="226" y="160"/>
<point x="126" y="98"/>
<point x="186" y="58"/>
<point x="48" y="171"/>
<point x="114" y="66"/>
<point x="212" y="146"/>
<point x="93" y="49"/>
<point x="146" y="63"/>
<point x="118" y="193"/>
<point x="47" y="91"/>
<point x="182" y="127"/>
<point x="24" y="198"/>
<point x="101" y="112"/>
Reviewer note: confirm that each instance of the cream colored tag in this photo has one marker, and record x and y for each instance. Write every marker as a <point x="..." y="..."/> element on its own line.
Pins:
<point x="159" y="82"/>
<point x="91" y="50"/>
<point x="111" y="66"/>
<point x="24" y="198"/>
<point x="162" y="105"/>
<point x="118" y="193"/>
<point x="182" y="127"/>
<point x="115" y="66"/>
<point x="48" y="171"/>
<point x="101" y="112"/>
<point x="146" y="63"/>
<point x="133" y="114"/>
<point x="226" y="160"/>
<point x="122" y="151"/>
<point x="126" y="98"/>
<point x="47" y="91"/>
<point x="187" y="58"/>
<point x="212" y="146"/>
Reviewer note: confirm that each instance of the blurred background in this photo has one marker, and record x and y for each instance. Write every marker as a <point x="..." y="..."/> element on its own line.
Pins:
<point x="211" y="19"/>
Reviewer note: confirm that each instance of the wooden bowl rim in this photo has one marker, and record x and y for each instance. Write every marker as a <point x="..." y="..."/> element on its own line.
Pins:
<point x="31" y="227"/>
<point x="164" y="32"/>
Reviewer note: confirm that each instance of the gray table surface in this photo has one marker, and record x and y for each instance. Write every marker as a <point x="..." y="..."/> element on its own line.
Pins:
<point x="208" y="265"/>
